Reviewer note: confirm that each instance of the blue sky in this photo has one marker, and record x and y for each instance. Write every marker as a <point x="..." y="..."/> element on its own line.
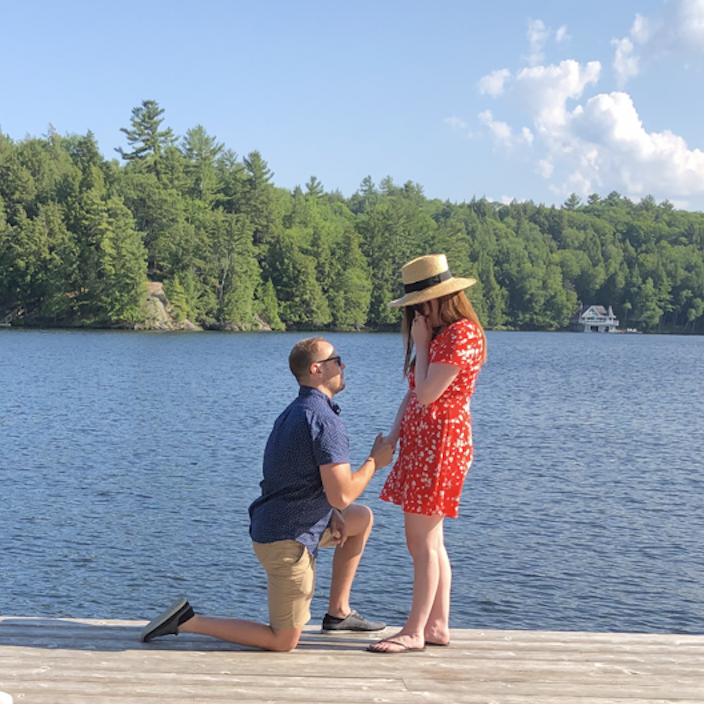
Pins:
<point x="503" y="99"/>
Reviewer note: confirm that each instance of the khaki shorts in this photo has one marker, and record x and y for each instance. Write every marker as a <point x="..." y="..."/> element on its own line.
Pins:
<point x="291" y="580"/>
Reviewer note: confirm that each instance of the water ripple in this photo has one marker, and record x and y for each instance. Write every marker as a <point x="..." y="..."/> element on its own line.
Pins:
<point x="128" y="462"/>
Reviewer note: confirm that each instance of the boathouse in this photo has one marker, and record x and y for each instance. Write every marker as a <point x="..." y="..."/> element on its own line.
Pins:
<point x="594" y="319"/>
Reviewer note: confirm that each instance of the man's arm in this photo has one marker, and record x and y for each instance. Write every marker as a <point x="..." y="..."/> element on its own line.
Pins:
<point x="342" y="485"/>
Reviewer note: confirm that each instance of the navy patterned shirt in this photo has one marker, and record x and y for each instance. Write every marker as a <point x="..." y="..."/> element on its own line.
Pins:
<point x="293" y="504"/>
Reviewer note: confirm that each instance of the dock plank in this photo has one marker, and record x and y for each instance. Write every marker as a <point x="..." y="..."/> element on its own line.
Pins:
<point x="72" y="661"/>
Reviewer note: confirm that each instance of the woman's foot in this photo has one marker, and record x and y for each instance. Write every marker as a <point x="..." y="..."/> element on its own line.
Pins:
<point x="400" y="643"/>
<point x="437" y="637"/>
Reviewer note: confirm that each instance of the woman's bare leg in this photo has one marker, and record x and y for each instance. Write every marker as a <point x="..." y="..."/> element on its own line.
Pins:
<point x="437" y="629"/>
<point x="425" y="544"/>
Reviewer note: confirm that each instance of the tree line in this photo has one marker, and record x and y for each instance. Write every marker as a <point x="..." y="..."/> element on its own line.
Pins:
<point x="80" y="235"/>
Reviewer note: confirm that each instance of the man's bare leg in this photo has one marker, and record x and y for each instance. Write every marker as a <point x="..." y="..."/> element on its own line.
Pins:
<point x="250" y="633"/>
<point x="358" y="521"/>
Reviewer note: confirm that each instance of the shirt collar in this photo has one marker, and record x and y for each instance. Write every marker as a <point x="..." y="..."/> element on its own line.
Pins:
<point x="310" y="391"/>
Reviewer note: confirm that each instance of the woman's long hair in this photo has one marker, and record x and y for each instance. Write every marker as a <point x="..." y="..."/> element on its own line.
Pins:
<point x="453" y="307"/>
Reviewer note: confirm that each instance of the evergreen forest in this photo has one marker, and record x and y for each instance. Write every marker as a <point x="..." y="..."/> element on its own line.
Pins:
<point x="81" y="235"/>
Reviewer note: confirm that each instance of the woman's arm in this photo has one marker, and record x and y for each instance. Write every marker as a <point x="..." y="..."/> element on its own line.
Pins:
<point x="396" y="428"/>
<point x="437" y="379"/>
<point x="432" y="380"/>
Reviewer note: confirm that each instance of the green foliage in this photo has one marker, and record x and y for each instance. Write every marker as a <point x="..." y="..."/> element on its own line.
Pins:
<point x="123" y="267"/>
<point x="301" y="299"/>
<point x="176" y="293"/>
<point x="200" y="151"/>
<point x="148" y="142"/>
<point x="80" y="236"/>
<point x="351" y="285"/>
<point x="267" y="306"/>
<point x="237" y="268"/>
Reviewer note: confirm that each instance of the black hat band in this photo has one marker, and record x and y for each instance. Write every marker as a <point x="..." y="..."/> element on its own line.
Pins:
<point x="427" y="283"/>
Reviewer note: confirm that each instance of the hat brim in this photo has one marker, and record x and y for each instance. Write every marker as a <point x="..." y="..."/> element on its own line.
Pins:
<point x="427" y="294"/>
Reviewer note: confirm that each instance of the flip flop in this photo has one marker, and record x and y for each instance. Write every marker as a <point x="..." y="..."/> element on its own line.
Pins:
<point x="437" y="645"/>
<point x="404" y="648"/>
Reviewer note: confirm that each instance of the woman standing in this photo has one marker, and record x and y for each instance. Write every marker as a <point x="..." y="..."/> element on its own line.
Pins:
<point x="433" y="427"/>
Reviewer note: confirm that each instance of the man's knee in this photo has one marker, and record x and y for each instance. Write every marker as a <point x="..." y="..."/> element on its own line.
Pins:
<point x="285" y="640"/>
<point x="367" y="515"/>
<point x="359" y="518"/>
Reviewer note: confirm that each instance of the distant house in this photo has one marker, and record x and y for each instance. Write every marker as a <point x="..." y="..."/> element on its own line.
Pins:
<point x="594" y="319"/>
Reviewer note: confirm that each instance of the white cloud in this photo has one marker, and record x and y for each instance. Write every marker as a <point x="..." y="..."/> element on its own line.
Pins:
<point x="500" y="130"/>
<point x="603" y="146"/>
<point x="542" y="91"/>
<point x="586" y="142"/>
<point x="493" y="83"/>
<point x="680" y="30"/>
<point x="598" y="145"/>
<point x="503" y="134"/>
<point x="544" y="168"/>
<point x="691" y="23"/>
<point x="538" y="35"/>
<point x="460" y="126"/>
<point x="642" y="29"/>
<point x="526" y="136"/>
<point x="625" y="63"/>
<point x="624" y="151"/>
<point x="680" y="204"/>
<point x="456" y="123"/>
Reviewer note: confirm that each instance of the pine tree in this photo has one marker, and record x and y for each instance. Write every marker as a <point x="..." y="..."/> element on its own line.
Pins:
<point x="238" y="271"/>
<point x="351" y="286"/>
<point x="267" y="306"/>
<point x="178" y="302"/>
<point x="301" y="299"/>
<point x="314" y="188"/>
<point x="123" y="267"/>
<point x="201" y="151"/>
<point x="148" y="142"/>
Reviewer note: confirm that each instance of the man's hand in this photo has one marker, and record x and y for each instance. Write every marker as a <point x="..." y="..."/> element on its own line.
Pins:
<point x="338" y="529"/>
<point x="342" y="486"/>
<point x="382" y="451"/>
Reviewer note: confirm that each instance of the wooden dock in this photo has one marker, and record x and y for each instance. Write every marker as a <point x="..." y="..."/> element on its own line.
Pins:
<point x="70" y="661"/>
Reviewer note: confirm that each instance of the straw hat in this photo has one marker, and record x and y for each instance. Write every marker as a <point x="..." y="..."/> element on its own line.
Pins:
<point x="426" y="278"/>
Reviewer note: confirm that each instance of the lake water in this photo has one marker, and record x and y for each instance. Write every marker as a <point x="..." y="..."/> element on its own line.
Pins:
<point x="128" y="461"/>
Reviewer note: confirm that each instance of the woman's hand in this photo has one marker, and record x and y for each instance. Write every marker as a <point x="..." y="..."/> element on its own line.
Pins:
<point x="395" y="433"/>
<point x="421" y="332"/>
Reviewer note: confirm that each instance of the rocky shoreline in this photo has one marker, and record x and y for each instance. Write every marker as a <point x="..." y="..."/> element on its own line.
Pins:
<point x="160" y="316"/>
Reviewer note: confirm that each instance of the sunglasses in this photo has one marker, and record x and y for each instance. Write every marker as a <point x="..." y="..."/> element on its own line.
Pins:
<point x="337" y="359"/>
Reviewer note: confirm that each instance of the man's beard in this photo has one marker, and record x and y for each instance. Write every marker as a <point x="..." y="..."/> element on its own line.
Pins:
<point x="339" y="386"/>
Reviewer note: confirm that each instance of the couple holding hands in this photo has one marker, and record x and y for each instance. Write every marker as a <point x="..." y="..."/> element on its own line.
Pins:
<point x="308" y="490"/>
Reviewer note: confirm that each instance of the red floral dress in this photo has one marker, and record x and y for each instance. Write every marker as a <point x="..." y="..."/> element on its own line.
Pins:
<point x="435" y="448"/>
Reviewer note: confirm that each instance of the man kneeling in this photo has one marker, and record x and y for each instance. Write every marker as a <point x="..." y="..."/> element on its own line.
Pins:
<point x="306" y="502"/>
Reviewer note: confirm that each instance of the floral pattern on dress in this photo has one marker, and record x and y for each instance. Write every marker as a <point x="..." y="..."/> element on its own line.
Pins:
<point x="435" y="444"/>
